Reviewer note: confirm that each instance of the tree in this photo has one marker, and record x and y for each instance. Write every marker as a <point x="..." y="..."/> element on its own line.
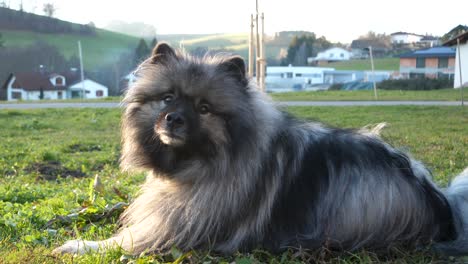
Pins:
<point x="154" y="42"/>
<point x="454" y="32"/>
<point x="49" y="9"/>
<point x="304" y="46"/>
<point x="141" y="52"/>
<point x="41" y="93"/>
<point x="377" y="40"/>
<point x="2" y="43"/>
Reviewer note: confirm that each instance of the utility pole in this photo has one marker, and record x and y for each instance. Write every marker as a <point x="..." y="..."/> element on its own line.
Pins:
<point x="258" y="48"/>
<point x="373" y="73"/>
<point x="251" y="46"/>
<point x="83" y="91"/>
<point x="460" y="71"/>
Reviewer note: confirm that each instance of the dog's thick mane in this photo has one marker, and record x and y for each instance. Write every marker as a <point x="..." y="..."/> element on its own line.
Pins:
<point x="195" y="209"/>
<point x="239" y="200"/>
<point x="268" y="180"/>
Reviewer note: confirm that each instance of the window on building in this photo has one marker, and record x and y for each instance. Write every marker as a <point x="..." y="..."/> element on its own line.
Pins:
<point x="99" y="93"/>
<point x="60" y="95"/>
<point x="443" y="62"/>
<point x="417" y="75"/>
<point x="420" y="62"/>
<point x="59" y="81"/>
<point x="331" y="55"/>
<point x="342" y="55"/>
<point x="16" y="95"/>
<point x="298" y="74"/>
<point x="289" y="75"/>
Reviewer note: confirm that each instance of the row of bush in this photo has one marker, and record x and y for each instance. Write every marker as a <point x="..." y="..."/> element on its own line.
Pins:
<point x="403" y="84"/>
<point x="416" y="84"/>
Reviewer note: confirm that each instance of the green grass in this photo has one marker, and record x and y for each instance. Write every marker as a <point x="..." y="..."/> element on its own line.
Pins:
<point x="383" y="95"/>
<point x="98" y="50"/>
<point x="380" y="64"/>
<point x="368" y="95"/>
<point x="86" y="142"/>
<point x="73" y="100"/>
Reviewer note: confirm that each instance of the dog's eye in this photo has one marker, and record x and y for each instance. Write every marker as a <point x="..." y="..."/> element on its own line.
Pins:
<point x="168" y="98"/>
<point x="204" y="109"/>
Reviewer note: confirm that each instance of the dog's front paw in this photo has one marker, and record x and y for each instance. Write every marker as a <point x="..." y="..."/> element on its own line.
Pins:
<point x="76" y="247"/>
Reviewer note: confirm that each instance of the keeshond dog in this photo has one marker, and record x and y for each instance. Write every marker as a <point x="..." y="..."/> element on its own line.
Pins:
<point x="229" y="171"/>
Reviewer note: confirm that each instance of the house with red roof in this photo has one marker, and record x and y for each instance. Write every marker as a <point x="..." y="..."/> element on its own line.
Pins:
<point x="50" y="86"/>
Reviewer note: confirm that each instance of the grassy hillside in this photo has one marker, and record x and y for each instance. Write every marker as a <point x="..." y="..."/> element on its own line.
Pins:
<point x="382" y="64"/>
<point x="237" y="43"/>
<point x="97" y="50"/>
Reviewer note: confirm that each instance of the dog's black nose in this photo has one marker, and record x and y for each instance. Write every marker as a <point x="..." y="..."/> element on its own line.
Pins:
<point x="174" y="119"/>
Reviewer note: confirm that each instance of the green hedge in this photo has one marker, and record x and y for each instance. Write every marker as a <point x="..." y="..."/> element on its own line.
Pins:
<point x="416" y="84"/>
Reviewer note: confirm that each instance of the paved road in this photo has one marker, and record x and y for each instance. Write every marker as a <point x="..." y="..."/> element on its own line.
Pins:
<point x="290" y="103"/>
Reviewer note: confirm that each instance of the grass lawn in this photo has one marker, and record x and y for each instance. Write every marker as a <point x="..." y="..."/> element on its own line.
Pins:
<point x="380" y="64"/>
<point x="368" y="95"/>
<point x="383" y="95"/>
<point x="49" y="157"/>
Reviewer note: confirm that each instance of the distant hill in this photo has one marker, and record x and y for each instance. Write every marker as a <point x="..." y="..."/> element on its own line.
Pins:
<point x="137" y="29"/>
<point x="11" y="19"/>
<point x="102" y="46"/>
<point x="99" y="46"/>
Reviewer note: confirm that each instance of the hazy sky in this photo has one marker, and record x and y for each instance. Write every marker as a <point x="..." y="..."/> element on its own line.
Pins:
<point x="337" y="20"/>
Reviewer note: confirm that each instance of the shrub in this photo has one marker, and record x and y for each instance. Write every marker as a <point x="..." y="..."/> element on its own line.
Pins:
<point x="415" y="84"/>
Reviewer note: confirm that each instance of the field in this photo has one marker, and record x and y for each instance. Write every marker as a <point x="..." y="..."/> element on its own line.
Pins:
<point x="368" y="95"/>
<point x="380" y="64"/>
<point x="49" y="159"/>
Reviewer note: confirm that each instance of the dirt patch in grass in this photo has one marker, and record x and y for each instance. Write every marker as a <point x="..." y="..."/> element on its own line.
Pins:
<point x="83" y="148"/>
<point x="50" y="170"/>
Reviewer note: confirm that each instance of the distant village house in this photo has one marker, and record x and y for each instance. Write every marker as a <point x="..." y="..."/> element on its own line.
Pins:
<point x="405" y="38"/>
<point x="414" y="40"/>
<point x="329" y="55"/>
<point x="438" y="62"/>
<point x="50" y="86"/>
<point x="461" y="59"/>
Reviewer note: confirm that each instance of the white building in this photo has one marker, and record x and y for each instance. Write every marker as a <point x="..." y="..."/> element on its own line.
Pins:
<point x="93" y="90"/>
<point x="330" y="55"/>
<point x="34" y="86"/>
<point x="461" y="57"/>
<point x="37" y="86"/>
<point x="293" y="78"/>
<point x="405" y="38"/>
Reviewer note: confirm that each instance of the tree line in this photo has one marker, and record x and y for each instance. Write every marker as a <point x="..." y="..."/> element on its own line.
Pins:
<point x="19" y="20"/>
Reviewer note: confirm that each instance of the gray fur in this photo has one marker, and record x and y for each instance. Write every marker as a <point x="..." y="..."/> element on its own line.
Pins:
<point x="228" y="200"/>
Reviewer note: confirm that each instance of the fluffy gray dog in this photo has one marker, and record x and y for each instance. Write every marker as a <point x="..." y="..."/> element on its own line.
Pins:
<point x="229" y="171"/>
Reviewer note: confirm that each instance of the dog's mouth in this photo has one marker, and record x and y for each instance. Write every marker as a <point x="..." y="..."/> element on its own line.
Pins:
<point x="171" y="138"/>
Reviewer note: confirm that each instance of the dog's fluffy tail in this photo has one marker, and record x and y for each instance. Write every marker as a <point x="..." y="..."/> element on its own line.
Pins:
<point x="457" y="196"/>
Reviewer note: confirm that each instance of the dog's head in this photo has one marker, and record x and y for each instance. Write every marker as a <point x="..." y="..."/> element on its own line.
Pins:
<point x="181" y="108"/>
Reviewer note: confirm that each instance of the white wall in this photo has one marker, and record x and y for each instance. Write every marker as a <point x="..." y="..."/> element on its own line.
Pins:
<point x="464" y="66"/>
<point x="91" y="88"/>
<point x="48" y="95"/>
<point x="53" y="80"/>
<point x="334" y="54"/>
<point x="405" y="38"/>
<point x="286" y="77"/>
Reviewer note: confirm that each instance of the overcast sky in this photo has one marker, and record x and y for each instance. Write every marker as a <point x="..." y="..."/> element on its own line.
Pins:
<point x="337" y="20"/>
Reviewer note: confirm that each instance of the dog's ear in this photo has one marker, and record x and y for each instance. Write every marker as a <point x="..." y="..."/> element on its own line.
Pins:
<point x="162" y="52"/>
<point x="235" y="66"/>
